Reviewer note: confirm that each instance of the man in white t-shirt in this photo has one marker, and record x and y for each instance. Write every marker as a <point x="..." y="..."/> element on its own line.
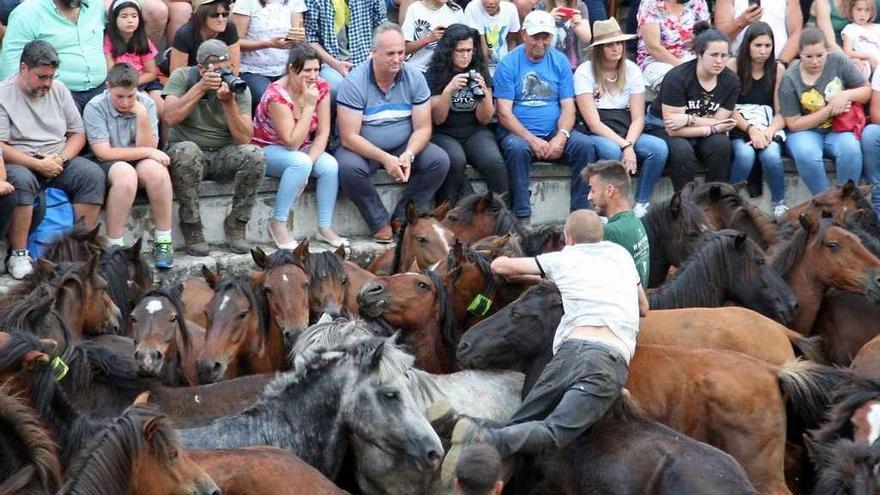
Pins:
<point x="602" y="300"/>
<point x="425" y="23"/>
<point x="498" y="24"/>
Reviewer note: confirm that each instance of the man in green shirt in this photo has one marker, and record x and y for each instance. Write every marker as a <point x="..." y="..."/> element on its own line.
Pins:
<point x="211" y="131"/>
<point x="609" y="189"/>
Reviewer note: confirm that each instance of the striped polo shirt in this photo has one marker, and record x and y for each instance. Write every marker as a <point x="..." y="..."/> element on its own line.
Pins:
<point x="387" y="117"/>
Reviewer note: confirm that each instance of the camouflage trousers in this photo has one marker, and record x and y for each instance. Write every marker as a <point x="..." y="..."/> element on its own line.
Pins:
<point x="244" y="165"/>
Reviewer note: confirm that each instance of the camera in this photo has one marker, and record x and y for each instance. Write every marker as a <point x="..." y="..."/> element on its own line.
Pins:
<point x="473" y="86"/>
<point x="236" y="84"/>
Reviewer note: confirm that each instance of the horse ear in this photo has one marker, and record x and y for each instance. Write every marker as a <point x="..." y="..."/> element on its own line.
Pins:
<point x="150" y="426"/>
<point x="134" y="252"/>
<point x="34" y="360"/>
<point x="848" y="189"/>
<point x="340" y="252"/>
<point x="141" y="399"/>
<point x="740" y="240"/>
<point x="458" y="252"/>
<point x="739" y="186"/>
<point x="45" y="265"/>
<point x="49" y="345"/>
<point x="394" y="339"/>
<point x="441" y="210"/>
<point x="675" y="205"/>
<point x="414" y="267"/>
<point x="259" y="257"/>
<point x="807" y="223"/>
<point x="376" y="357"/>
<point x="92" y="235"/>
<point x="715" y="192"/>
<point x="411" y="213"/>
<point x="814" y="448"/>
<point x="210" y="277"/>
<point x="302" y="249"/>
<point x="483" y="203"/>
<point x="92" y="265"/>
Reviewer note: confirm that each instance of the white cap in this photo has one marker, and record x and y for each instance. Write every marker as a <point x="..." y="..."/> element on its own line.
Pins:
<point x="539" y="21"/>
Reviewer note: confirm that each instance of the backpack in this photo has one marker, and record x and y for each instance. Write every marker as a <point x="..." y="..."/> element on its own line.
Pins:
<point x="53" y="217"/>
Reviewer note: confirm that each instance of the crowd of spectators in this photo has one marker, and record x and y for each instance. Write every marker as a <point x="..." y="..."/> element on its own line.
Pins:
<point x="102" y="99"/>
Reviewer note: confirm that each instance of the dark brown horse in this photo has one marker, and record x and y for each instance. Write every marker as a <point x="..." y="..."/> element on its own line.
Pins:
<point x="728" y="267"/>
<point x="845" y="467"/>
<point x="138" y="453"/>
<point x="725" y="208"/>
<point x="166" y="344"/>
<point x="418" y="304"/>
<point x="28" y="456"/>
<point x="284" y="283"/>
<point x="238" y="339"/>
<point x="499" y="245"/>
<point x="334" y="283"/>
<point x="675" y="230"/>
<point x="836" y="202"/>
<point x="729" y="400"/>
<point x="867" y="361"/>
<point x="422" y="239"/>
<point x="825" y="255"/>
<point x="262" y="470"/>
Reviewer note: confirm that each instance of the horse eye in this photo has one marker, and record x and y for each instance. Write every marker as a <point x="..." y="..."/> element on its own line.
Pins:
<point x="344" y="280"/>
<point x="760" y="261"/>
<point x="243" y="314"/>
<point x="174" y="454"/>
<point x="306" y="285"/>
<point x="173" y="318"/>
<point x="268" y="291"/>
<point x="834" y="246"/>
<point x="452" y="219"/>
<point x="422" y="240"/>
<point x="422" y="285"/>
<point x="133" y="319"/>
<point x="391" y="395"/>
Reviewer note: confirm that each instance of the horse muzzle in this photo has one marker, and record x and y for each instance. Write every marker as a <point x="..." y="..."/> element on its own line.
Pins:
<point x="206" y="486"/>
<point x="290" y="336"/>
<point x="149" y="362"/>
<point x="428" y="453"/>
<point x="468" y="358"/>
<point x="372" y="299"/>
<point x="210" y="371"/>
<point x="872" y="288"/>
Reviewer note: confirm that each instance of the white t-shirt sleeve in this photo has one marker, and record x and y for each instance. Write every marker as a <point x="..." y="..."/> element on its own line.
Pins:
<point x="875" y="81"/>
<point x="473" y="14"/>
<point x="409" y="23"/>
<point x="583" y="80"/>
<point x="246" y="7"/>
<point x="298" y="6"/>
<point x="549" y="263"/>
<point x="512" y="15"/>
<point x="850" y="31"/>
<point x="634" y="78"/>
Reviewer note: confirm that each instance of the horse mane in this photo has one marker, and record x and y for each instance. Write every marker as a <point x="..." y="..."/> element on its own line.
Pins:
<point x="78" y="244"/>
<point x="838" y="463"/>
<point x="172" y="295"/>
<point x="326" y="335"/>
<point x="792" y="252"/>
<point x="105" y="464"/>
<point x="393" y="364"/>
<point x="325" y="264"/>
<point x="25" y="312"/>
<point x="448" y="324"/>
<point x="41" y="463"/>
<point x="88" y="360"/>
<point x="505" y="221"/>
<point x="740" y="210"/>
<point x="860" y="228"/>
<point x="284" y="257"/>
<point x="847" y="398"/>
<point x="700" y="276"/>
<point x="113" y="266"/>
<point x="622" y="410"/>
<point x="257" y="299"/>
<point x="656" y="220"/>
<point x="532" y="242"/>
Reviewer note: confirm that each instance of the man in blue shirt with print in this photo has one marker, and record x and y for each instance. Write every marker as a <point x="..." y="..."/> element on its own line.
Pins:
<point x="536" y="112"/>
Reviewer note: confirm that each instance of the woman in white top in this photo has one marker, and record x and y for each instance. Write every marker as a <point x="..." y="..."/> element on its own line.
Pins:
<point x="785" y="18"/>
<point x="614" y="109"/>
<point x="425" y="23"/>
<point x="268" y="28"/>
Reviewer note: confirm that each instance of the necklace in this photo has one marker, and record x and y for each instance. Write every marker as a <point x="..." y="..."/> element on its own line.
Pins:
<point x="611" y="79"/>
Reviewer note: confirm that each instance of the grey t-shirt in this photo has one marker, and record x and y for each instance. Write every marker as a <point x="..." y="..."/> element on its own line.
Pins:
<point x="105" y="124"/>
<point x="38" y="125"/>
<point x="797" y="98"/>
<point x="387" y="117"/>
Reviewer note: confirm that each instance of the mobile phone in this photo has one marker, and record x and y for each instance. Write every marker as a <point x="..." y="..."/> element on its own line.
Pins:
<point x="755" y="3"/>
<point x="566" y="11"/>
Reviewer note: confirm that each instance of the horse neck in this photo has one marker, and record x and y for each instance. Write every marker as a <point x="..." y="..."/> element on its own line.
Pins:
<point x="70" y="309"/>
<point x="305" y="422"/>
<point x="809" y="293"/>
<point x="424" y="387"/>
<point x="172" y="371"/>
<point x="680" y="293"/>
<point x="432" y="354"/>
<point x="272" y="351"/>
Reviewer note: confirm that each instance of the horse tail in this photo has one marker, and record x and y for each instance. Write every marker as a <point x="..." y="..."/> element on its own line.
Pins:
<point x="807" y="347"/>
<point x="808" y="388"/>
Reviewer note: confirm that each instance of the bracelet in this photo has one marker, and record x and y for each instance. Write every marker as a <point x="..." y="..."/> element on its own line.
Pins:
<point x="690" y="120"/>
<point x="565" y="132"/>
<point x="749" y="127"/>
<point x="625" y="146"/>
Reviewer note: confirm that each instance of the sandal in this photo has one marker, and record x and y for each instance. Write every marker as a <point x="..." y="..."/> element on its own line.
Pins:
<point x="339" y="241"/>
<point x="287" y="245"/>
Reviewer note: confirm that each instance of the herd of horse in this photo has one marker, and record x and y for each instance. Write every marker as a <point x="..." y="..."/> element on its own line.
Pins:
<point x="757" y="369"/>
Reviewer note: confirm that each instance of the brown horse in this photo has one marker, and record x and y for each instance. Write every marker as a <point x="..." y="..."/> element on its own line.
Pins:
<point x="867" y="361"/>
<point x="418" y="304"/>
<point x="334" y="283"/>
<point x="138" y="453"/>
<point x="853" y="414"/>
<point x="285" y="286"/>
<point x="28" y="456"/>
<point x="835" y="202"/>
<point x="824" y="255"/>
<point x="725" y="208"/>
<point x="727" y="399"/>
<point x="262" y="470"/>
<point x="196" y="294"/>
<point x="422" y="238"/>
<point x="238" y="339"/>
<point x="499" y="245"/>
<point x="167" y="345"/>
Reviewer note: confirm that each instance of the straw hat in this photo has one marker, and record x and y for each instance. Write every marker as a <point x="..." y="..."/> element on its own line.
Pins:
<point x="609" y="31"/>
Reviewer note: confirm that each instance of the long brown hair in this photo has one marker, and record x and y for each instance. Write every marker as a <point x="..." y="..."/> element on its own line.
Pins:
<point x="597" y="62"/>
<point x="744" y="57"/>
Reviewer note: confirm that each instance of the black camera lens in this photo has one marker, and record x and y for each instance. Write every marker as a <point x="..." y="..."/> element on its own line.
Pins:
<point x="474" y="86"/>
<point x="236" y="84"/>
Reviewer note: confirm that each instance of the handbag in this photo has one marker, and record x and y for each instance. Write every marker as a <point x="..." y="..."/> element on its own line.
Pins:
<point x="618" y="120"/>
<point x="759" y="116"/>
<point x="854" y="120"/>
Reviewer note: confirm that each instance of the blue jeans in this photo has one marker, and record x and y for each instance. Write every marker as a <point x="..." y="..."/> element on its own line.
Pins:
<point x="771" y="162"/>
<point x="651" y="151"/>
<point x="871" y="161"/>
<point x="808" y="147"/>
<point x="257" y="84"/>
<point x="579" y="152"/>
<point x="596" y="10"/>
<point x="294" y="169"/>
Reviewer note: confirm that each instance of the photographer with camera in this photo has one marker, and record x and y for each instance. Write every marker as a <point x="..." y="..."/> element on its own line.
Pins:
<point x="461" y="108"/>
<point x="208" y="110"/>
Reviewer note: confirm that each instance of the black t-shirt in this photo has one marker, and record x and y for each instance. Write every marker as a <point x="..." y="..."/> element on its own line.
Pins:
<point x="461" y="121"/>
<point x="187" y="42"/>
<point x="681" y="88"/>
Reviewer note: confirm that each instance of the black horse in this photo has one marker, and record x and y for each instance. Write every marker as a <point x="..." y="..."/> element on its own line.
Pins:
<point x="675" y="229"/>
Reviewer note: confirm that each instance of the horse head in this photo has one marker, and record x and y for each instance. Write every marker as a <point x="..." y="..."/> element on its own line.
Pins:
<point x="156" y="324"/>
<point x="422" y="238"/>
<point x="286" y="288"/>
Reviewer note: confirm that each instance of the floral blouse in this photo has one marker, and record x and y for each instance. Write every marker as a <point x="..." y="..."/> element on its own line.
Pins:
<point x="676" y="31"/>
<point x="264" y="132"/>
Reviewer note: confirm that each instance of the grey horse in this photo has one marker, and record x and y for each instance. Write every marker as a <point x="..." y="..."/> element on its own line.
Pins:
<point x="480" y="394"/>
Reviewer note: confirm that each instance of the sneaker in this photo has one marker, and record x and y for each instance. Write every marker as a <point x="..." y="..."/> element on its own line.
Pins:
<point x="524" y="221"/>
<point x="163" y="255"/>
<point x="194" y="239"/>
<point x="640" y="209"/>
<point x="234" y="230"/>
<point x="20" y="264"/>
<point x="779" y="210"/>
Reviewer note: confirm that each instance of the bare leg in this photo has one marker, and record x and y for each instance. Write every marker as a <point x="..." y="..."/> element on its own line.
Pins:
<point x="89" y="214"/>
<point x="123" y="187"/>
<point x="178" y="15"/>
<point x="20" y="226"/>
<point x="155" y="20"/>
<point x="153" y="176"/>
<point x="401" y="13"/>
<point x="156" y="95"/>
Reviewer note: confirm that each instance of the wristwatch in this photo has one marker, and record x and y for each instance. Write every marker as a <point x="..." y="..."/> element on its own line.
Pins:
<point x="412" y="156"/>
<point x="566" y="132"/>
<point x="64" y="158"/>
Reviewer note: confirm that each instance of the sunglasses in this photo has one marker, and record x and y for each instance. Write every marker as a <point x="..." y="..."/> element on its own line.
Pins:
<point x="215" y="15"/>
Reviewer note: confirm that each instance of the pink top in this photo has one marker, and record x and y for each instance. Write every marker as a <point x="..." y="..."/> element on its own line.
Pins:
<point x="676" y="31"/>
<point x="137" y="61"/>
<point x="264" y="132"/>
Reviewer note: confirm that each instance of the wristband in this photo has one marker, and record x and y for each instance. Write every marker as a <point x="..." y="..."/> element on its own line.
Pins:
<point x="625" y="146"/>
<point x="690" y="120"/>
<point x="566" y="133"/>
